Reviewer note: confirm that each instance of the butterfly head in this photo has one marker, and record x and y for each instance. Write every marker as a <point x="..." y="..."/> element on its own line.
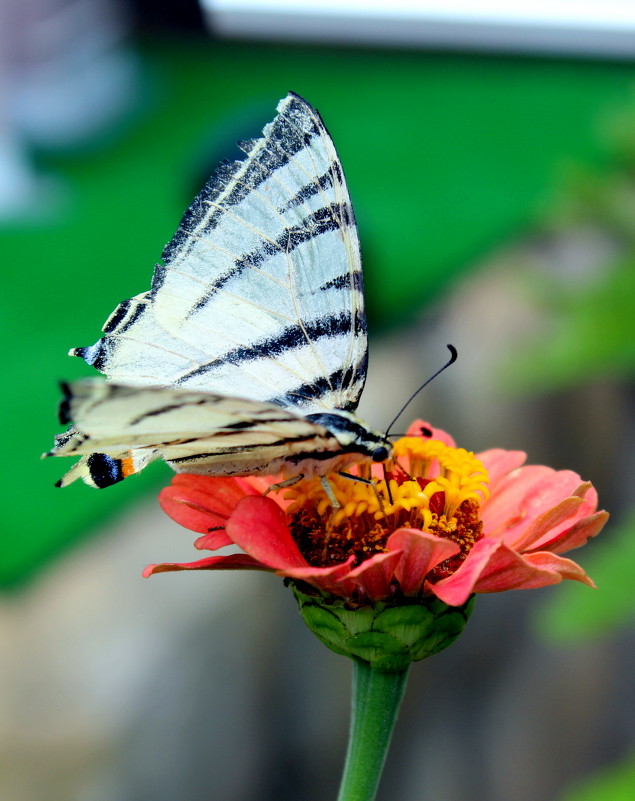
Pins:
<point x="381" y="453"/>
<point x="354" y="436"/>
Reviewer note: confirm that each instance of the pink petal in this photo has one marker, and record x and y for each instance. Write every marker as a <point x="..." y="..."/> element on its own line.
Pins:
<point x="328" y="579"/>
<point x="564" y="568"/>
<point x="414" y="430"/>
<point x="522" y="496"/>
<point x="421" y="551"/>
<point x="223" y="491"/>
<point x="234" y="561"/>
<point x="374" y="575"/>
<point x="457" y="588"/>
<point x="579" y="533"/>
<point x="202" y="502"/>
<point x="543" y="526"/>
<point x="212" y="541"/>
<point x="555" y="539"/>
<point x="191" y="511"/>
<point x="499" y="463"/>
<point x="492" y="566"/>
<point x="502" y="510"/>
<point x="508" y="570"/>
<point x="258" y="525"/>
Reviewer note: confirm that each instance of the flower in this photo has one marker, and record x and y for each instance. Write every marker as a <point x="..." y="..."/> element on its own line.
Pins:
<point x="443" y="524"/>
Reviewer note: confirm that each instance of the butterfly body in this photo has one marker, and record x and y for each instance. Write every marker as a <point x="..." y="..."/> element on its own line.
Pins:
<point x="248" y="353"/>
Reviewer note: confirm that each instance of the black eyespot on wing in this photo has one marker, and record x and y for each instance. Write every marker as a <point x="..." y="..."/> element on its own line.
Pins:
<point x="104" y="470"/>
<point x="425" y="431"/>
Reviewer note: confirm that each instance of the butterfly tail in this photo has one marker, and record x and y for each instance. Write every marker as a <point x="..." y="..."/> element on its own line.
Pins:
<point x="100" y="470"/>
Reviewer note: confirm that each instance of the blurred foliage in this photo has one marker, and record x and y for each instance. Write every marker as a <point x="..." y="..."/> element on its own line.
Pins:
<point x="589" y="333"/>
<point x="588" y="311"/>
<point x="579" y="276"/>
<point x="574" y="613"/>
<point x="616" y="783"/>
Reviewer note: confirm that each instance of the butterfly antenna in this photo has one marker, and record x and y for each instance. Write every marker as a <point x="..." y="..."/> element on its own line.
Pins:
<point x="451" y="360"/>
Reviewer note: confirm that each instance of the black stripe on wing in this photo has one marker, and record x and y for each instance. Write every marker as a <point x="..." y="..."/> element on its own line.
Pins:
<point x="328" y="218"/>
<point x="325" y="181"/>
<point x="232" y="450"/>
<point x="290" y="338"/>
<point x="247" y="174"/>
<point x="354" y="280"/>
<point x="351" y="380"/>
<point x="126" y="314"/>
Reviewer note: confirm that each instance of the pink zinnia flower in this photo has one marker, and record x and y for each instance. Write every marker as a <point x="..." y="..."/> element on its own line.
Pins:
<point x="450" y="524"/>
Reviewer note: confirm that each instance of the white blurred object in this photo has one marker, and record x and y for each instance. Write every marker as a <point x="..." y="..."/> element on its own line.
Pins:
<point x="66" y="74"/>
<point x="542" y="26"/>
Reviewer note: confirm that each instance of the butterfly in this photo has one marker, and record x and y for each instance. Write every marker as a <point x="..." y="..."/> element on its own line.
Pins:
<point x="249" y="352"/>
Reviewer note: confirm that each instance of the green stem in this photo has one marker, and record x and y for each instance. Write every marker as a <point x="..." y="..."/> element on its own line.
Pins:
<point x="376" y="701"/>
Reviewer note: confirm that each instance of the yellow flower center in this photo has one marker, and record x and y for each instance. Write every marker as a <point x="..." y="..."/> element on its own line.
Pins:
<point x="430" y="486"/>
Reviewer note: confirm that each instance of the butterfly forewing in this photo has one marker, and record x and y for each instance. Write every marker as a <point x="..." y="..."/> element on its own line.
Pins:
<point x="261" y="292"/>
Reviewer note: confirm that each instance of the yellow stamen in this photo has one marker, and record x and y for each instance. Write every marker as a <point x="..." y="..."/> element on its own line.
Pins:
<point x="433" y="487"/>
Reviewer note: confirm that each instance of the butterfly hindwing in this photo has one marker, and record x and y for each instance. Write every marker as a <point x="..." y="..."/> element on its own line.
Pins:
<point x="261" y="291"/>
<point x="193" y="431"/>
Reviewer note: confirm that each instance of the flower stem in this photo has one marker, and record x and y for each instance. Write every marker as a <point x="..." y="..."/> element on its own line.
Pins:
<point x="376" y="701"/>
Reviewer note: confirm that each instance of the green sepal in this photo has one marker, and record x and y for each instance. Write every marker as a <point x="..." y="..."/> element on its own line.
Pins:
<point x="387" y="635"/>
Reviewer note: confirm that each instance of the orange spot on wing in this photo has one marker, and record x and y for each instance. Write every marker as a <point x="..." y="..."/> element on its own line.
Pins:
<point x="127" y="467"/>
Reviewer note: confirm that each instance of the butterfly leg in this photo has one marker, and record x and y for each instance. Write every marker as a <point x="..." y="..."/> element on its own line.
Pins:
<point x="361" y="480"/>
<point x="403" y="469"/>
<point x="328" y="489"/>
<point x="289" y="482"/>
<point x="370" y="483"/>
<point x="387" y="482"/>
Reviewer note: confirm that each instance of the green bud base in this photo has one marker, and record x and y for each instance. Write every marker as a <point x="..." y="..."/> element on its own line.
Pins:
<point x="389" y="636"/>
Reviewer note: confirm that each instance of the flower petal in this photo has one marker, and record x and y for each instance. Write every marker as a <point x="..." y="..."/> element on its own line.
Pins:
<point x="559" y="537"/>
<point x="212" y="541"/>
<point x="224" y="491"/>
<point x="328" y="579"/>
<point x="524" y="495"/>
<point x="200" y="503"/>
<point x="499" y="463"/>
<point x="492" y="566"/>
<point x="234" y="561"/>
<point x="258" y="525"/>
<point x="544" y="526"/>
<point x="565" y="568"/>
<point x="502" y="510"/>
<point x="421" y="551"/>
<point x="374" y="575"/>
<point x="577" y="534"/>
<point x="415" y="430"/>
<point x="457" y="588"/>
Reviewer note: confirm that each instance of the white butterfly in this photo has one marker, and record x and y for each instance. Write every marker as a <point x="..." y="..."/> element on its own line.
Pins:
<point x="248" y="354"/>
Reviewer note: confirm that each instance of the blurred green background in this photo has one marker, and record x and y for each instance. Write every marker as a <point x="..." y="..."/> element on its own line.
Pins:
<point x="446" y="156"/>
